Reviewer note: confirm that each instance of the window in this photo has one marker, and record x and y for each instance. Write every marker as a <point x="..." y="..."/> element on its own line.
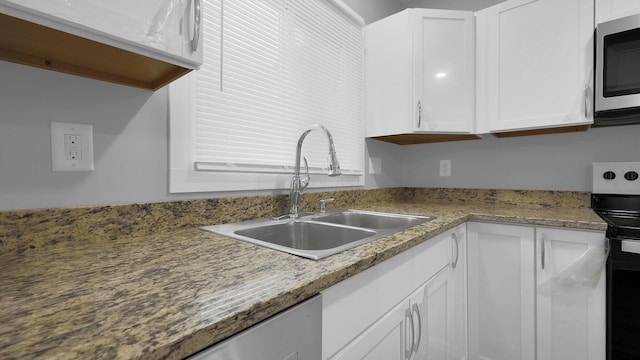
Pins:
<point x="271" y="69"/>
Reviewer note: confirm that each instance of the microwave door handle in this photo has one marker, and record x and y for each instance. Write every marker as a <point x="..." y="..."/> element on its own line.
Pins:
<point x="587" y="101"/>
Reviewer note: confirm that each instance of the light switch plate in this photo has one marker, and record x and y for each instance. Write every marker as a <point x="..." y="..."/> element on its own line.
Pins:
<point x="71" y="147"/>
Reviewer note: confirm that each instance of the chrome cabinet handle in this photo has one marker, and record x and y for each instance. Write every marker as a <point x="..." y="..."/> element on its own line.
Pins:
<point x="196" y="25"/>
<point x="419" y="114"/>
<point x="587" y="101"/>
<point x="454" y="238"/>
<point x="416" y="310"/>
<point x="542" y="251"/>
<point x="409" y="352"/>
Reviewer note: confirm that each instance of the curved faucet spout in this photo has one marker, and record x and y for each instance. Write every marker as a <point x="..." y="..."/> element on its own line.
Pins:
<point x="297" y="184"/>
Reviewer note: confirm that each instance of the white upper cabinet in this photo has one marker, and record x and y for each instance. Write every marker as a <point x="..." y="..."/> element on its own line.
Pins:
<point x="145" y="43"/>
<point x="613" y="9"/>
<point x="535" y="65"/>
<point x="420" y="73"/>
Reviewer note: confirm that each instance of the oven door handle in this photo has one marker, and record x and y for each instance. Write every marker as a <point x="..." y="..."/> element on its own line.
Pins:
<point x="630" y="246"/>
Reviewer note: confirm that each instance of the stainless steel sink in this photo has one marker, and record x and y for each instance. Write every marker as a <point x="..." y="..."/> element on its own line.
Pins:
<point x="371" y="220"/>
<point x="306" y="235"/>
<point x="320" y="235"/>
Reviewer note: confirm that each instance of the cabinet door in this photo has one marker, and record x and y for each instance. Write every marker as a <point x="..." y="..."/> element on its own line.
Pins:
<point x="419" y="328"/>
<point x="501" y="292"/>
<point x="389" y="107"/>
<point x="420" y="73"/>
<point x="444" y="50"/>
<point x="354" y="304"/>
<point x="355" y="307"/>
<point x="158" y="29"/>
<point x="459" y="350"/>
<point x="539" y="64"/>
<point x="613" y="9"/>
<point x="290" y="335"/>
<point x="570" y="294"/>
<point x="442" y="303"/>
<point x="389" y="338"/>
<point x="432" y="308"/>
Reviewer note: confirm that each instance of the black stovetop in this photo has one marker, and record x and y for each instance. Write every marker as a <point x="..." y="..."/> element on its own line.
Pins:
<point x="621" y="212"/>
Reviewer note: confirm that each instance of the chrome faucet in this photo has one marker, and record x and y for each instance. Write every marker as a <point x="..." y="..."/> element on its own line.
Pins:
<point x="298" y="184"/>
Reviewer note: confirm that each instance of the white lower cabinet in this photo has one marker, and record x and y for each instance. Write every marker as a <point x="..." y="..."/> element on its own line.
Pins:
<point x="570" y="294"/>
<point x="387" y="338"/>
<point x="404" y="308"/>
<point x="417" y="328"/>
<point x="290" y="335"/>
<point x="501" y="292"/>
<point x="535" y="293"/>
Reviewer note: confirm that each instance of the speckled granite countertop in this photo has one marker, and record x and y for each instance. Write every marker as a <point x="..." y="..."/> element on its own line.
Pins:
<point x="171" y="293"/>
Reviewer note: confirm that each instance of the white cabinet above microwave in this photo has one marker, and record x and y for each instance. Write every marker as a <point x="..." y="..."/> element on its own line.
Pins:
<point x="145" y="43"/>
<point x="614" y="9"/>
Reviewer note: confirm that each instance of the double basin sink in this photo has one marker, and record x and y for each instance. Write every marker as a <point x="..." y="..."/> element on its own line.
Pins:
<point x="319" y="235"/>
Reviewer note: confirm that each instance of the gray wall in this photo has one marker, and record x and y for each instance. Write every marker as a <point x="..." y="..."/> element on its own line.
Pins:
<point x="543" y="162"/>
<point x="471" y="5"/>
<point x="130" y="138"/>
<point x="129" y="130"/>
<point x="372" y="10"/>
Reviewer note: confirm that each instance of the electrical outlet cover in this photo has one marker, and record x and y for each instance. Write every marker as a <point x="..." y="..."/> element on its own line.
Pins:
<point x="445" y="167"/>
<point x="60" y="145"/>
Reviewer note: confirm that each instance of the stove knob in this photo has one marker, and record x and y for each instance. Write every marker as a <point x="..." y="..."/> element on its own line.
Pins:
<point x="609" y="175"/>
<point x="631" y="175"/>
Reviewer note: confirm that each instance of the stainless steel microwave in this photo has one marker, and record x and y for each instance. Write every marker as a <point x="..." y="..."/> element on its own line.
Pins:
<point x="617" y="78"/>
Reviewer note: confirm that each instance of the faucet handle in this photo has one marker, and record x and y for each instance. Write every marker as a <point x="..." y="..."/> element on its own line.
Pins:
<point x="304" y="182"/>
<point x="323" y="205"/>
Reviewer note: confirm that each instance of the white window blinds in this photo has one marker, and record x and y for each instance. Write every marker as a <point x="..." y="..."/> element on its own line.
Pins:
<point x="272" y="68"/>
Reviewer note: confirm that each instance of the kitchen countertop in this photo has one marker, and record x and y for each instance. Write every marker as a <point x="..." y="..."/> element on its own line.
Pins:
<point x="173" y="293"/>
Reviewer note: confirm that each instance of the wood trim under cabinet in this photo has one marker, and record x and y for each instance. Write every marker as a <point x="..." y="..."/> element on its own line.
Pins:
<point x="558" y="130"/>
<point x="32" y="44"/>
<point x="412" y="139"/>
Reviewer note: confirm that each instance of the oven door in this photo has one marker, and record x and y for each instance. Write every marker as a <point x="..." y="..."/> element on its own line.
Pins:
<point x="623" y="300"/>
<point x="617" y="80"/>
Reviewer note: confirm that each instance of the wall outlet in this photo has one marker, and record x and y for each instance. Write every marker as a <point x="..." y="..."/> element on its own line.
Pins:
<point x="445" y="167"/>
<point x="71" y="147"/>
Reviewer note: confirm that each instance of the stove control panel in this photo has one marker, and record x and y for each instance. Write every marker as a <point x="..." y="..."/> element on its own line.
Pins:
<point x="616" y="178"/>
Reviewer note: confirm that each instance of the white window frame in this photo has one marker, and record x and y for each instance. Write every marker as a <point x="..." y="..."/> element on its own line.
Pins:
<point x="186" y="175"/>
